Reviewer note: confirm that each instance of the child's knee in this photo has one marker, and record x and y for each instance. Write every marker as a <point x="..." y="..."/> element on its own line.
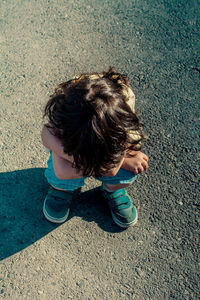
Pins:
<point x="65" y="172"/>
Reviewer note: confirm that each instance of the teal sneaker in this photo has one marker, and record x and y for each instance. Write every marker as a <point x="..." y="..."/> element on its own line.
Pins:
<point x="57" y="205"/>
<point x="123" y="211"/>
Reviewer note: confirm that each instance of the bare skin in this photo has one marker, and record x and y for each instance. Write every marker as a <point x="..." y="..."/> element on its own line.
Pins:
<point x="63" y="163"/>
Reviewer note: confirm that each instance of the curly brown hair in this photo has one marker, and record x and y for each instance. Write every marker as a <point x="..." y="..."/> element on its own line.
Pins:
<point x="91" y="116"/>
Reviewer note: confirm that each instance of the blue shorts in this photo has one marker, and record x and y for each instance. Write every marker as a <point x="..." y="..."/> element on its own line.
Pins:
<point x="122" y="177"/>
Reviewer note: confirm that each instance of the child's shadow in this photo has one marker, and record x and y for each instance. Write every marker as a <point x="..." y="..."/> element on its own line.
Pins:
<point x="21" y="219"/>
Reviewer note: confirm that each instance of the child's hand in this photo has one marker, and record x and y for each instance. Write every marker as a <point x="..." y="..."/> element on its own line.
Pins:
<point x="137" y="163"/>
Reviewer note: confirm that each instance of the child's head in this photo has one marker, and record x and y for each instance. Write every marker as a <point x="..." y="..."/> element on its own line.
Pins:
<point x="93" y="115"/>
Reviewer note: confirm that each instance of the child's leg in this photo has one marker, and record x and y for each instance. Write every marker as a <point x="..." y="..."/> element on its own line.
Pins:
<point x="113" y="188"/>
<point x="70" y="180"/>
<point x="58" y="200"/>
<point x="123" y="211"/>
<point x="121" y="180"/>
<point x="64" y="169"/>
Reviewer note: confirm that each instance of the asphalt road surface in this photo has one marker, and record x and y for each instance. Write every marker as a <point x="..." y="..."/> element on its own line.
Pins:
<point x="156" y="43"/>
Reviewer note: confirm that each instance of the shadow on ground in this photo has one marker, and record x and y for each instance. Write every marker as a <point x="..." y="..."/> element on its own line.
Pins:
<point x="22" y="222"/>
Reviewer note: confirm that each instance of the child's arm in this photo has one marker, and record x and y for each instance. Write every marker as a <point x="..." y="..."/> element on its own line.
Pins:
<point x="114" y="171"/>
<point x="51" y="142"/>
<point x="136" y="163"/>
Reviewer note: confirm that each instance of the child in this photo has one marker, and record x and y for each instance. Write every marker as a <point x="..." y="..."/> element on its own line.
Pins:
<point x="93" y="130"/>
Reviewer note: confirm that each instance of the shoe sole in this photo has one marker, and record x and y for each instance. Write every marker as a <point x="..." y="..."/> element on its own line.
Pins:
<point x="52" y="219"/>
<point x="124" y="225"/>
